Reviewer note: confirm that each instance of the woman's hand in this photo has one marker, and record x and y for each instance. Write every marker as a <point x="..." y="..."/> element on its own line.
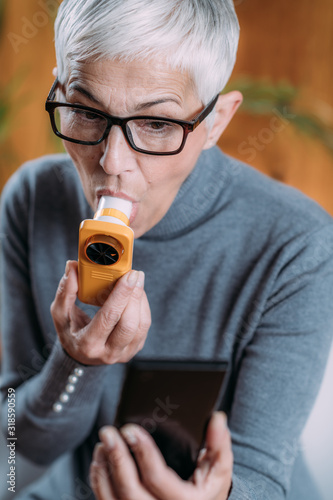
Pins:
<point x="117" y="331"/>
<point x="115" y="476"/>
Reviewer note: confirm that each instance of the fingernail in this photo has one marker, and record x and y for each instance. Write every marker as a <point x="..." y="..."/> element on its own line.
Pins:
<point x="201" y="472"/>
<point x="141" y="279"/>
<point x="197" y="476"/>
<point x="107" y="435"/>
<point x="67" y="268"/>
<point x="132" y="278"/>
<point x="224" y="418"/>
<point x="98" y="456"/>
<point x="202" y="453"/>
<point x="129" y="436"/>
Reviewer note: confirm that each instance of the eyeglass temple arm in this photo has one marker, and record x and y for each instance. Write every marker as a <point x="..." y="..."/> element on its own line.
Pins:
<point x="205" y="112"/>
<point x="51" y="95"/>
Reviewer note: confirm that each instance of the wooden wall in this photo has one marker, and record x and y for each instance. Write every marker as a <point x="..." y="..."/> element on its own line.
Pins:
<point x="27" y="55"/>
<point x="279" y="40"/>
<point x="290" y="41"/>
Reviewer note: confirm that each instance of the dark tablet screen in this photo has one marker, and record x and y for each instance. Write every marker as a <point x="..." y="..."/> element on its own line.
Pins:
<point x="173" y="401"/>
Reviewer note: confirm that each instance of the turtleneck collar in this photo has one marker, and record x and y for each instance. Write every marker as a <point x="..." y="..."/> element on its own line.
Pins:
<point x="200" y="196"/>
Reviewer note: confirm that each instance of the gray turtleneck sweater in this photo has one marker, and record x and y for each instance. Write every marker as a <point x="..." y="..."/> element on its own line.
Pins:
<point x="240" y="269"/>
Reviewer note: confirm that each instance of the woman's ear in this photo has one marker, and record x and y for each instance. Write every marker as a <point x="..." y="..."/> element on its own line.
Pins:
<point x="55" y="72"/>
<point x="225" y="108"/>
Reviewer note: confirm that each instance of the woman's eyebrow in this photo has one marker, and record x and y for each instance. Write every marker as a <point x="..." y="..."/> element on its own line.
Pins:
<point x="139" y="107"/>
<point x="77" y="88"/>
<point x="149" y="104"/>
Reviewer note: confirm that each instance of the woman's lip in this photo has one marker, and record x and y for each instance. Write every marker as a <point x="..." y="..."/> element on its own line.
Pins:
<point x="134" y="212"/>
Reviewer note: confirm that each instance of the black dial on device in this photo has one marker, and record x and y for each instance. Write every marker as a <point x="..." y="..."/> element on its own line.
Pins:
<point x="102" y="254"/>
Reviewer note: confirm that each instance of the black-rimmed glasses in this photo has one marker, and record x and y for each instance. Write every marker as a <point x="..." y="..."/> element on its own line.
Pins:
<point x="152" y="135"/>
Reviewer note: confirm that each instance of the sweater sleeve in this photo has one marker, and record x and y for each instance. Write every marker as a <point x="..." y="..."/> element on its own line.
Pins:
<point x="57" y="399"/>
<point x="281" y="368"/>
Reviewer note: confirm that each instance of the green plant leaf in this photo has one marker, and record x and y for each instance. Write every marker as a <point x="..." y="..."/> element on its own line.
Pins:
<point x="261" y="97"/>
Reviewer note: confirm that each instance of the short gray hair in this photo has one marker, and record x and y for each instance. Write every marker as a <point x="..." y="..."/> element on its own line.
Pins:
<point x="199" y="37"/>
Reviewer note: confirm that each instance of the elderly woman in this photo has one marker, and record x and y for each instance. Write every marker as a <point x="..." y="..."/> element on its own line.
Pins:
<point x="229" y="265"/>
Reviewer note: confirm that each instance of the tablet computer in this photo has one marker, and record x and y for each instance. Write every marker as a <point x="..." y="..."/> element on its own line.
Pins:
<point x="173" y="401"/>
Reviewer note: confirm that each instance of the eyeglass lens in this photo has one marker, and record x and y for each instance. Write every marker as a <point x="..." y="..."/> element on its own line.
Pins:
<point x="151" y="135"/>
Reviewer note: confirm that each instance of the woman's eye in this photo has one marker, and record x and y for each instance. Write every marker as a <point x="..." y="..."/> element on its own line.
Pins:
<point x="86" y="115"/>
<point x="90" y="116"/>
<point x="154" y="126"/>
<point x="157" y="125"/>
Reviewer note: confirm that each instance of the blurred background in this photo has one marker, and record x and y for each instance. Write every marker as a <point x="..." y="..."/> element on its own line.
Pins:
<point x="284" y="128"/>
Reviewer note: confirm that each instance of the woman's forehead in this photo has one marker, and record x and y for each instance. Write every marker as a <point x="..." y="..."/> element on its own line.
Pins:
<point x="140" y="78"/>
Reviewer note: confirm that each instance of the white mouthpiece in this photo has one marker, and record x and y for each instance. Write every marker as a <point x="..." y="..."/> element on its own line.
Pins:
<point x="123" y="206"/>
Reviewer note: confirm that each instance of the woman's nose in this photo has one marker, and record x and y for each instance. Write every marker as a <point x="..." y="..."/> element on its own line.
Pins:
<point x="117" y="156"/>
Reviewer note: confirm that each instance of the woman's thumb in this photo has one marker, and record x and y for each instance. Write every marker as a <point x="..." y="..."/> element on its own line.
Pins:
<point x="65" y="297"/>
